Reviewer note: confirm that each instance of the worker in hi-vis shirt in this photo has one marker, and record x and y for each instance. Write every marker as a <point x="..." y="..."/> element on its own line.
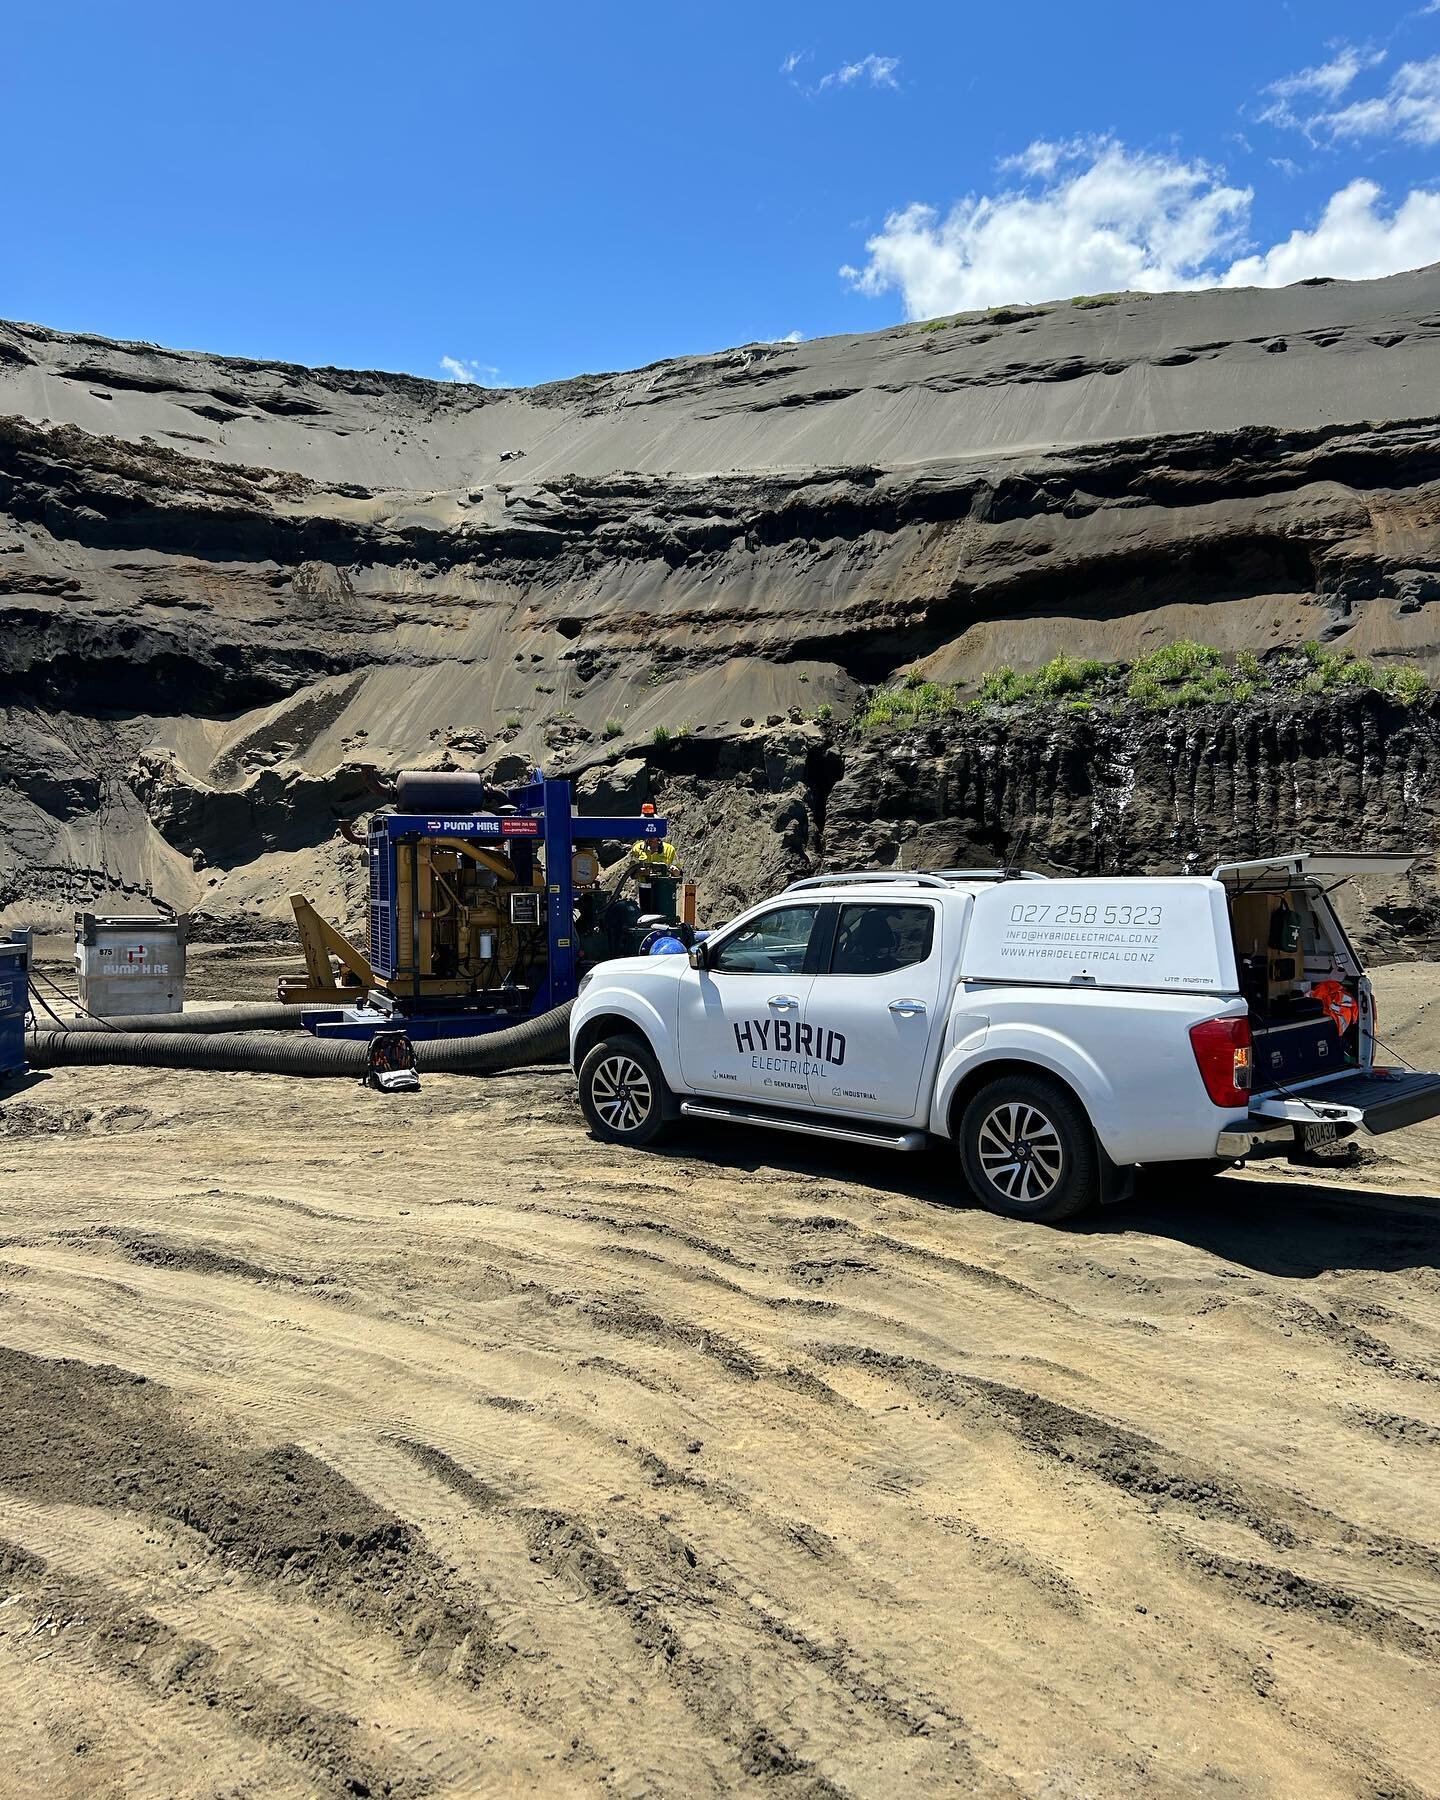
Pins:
<point x="651" y="859"/>
<point x="652" y="856"/>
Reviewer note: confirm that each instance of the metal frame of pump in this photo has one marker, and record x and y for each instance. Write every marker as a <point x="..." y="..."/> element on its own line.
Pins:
<point x="504" y="843"/>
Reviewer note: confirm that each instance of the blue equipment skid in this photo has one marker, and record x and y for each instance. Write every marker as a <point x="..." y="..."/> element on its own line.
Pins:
<point x="536" y="829"/>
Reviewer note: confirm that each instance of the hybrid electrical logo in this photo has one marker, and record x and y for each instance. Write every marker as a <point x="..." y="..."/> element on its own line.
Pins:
<point x="812" y="1045"/>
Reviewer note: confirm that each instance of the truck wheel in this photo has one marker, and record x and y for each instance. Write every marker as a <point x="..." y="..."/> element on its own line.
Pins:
<point x="1028" y="1150"/>
<point x="622" y="1092"/>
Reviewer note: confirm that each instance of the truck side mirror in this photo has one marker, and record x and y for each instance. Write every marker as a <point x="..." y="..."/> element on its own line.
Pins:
<point x="697" y="956"/>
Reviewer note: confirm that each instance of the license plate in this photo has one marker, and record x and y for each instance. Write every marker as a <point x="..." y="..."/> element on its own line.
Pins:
<point x="1320" y="1137"/>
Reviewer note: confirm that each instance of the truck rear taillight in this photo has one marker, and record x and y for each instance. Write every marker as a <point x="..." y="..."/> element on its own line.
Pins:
<point x="1222" y="1050"/>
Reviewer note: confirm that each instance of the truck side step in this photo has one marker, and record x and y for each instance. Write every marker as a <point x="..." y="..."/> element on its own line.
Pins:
<point x="878" y="1137"/>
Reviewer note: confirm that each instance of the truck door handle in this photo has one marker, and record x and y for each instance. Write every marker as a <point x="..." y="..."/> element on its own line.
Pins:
<point x="783" y="1002"/>
<point x="908" y="1009"/>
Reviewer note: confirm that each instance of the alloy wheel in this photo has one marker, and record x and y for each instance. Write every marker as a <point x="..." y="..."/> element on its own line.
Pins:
<point x="621" y="1094"/>
<point x="1020" y="1152"/>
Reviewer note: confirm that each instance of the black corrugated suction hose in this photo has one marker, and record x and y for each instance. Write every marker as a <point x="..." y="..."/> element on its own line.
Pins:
<point x="543" y="1039"/>
<point x="298" y="1055"/>
<point x="540" y="1040"/>
<point x="265" y="1016"/>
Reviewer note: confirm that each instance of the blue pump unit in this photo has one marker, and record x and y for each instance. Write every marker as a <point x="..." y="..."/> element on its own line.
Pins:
<point x="532" y="829"/>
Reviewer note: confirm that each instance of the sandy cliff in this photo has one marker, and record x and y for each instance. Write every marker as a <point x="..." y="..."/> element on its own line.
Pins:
<point x="225" y="585"/>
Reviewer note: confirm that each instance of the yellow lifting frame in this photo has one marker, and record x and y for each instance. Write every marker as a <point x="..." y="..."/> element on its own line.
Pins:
<point x="319" y="941"/>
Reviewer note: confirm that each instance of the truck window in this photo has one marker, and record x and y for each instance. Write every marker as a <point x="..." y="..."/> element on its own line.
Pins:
<point x="773" y="944"/>
<point x="876" y="938"/>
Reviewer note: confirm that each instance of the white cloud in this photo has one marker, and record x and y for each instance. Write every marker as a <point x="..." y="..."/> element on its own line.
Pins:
<point x="879" y="71"/>
<point x="1409" y="108"/>
<point x="793" y="61"/>
<point x="1108" y="219"/>
<point x="1329" y="80"/>
<point x="1124" y="221"/>
<point x="790" y="337"/>
<point x="461" y="368"/>
<point x="1354" y="239"/>
<point x="1044" y="156"/>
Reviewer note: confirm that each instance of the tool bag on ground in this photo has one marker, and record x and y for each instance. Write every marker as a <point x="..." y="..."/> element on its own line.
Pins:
<point x="391" y="1065"/>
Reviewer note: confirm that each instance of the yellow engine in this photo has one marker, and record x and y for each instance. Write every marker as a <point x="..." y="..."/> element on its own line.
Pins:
<point x="475" y="925"/>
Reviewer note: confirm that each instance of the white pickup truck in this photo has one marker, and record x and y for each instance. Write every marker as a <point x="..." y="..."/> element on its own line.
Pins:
<point x="1061" y="1033"/>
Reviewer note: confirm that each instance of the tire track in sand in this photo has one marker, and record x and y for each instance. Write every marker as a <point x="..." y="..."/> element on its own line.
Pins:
<point x="1119" y="1567"/>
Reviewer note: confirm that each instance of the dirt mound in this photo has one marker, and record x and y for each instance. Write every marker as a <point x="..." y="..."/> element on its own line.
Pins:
<point x="269" y="1511"/>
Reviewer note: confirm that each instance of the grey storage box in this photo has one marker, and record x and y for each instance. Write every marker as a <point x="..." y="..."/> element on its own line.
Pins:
<point x="14" y="997"/>
<point x="130" y="965"/>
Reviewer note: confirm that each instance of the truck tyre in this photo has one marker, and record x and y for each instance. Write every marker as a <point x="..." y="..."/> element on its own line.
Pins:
<point x="1028" y="1150"/>
<point x="623" y="1095"/>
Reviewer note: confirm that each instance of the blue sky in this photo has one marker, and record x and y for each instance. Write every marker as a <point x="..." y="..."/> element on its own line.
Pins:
<point x="524" y="192"/>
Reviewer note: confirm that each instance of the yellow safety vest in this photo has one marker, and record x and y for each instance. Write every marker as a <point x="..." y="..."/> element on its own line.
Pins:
<point x="655" y="850"/>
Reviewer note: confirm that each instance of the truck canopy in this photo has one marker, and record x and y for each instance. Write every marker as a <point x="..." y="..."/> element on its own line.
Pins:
<point x="1167" y="933"/>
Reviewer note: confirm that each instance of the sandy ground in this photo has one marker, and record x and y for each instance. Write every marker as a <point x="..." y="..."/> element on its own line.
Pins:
<point x="420" y="1447"/>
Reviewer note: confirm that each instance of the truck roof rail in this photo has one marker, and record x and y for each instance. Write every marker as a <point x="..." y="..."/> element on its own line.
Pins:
<point x="990" y="874"/>
<point x="941" y="878"/>
<point x="903" y="877"/>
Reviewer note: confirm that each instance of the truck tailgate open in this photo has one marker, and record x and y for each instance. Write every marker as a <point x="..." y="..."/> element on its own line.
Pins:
<point x="1378" y="1099"/>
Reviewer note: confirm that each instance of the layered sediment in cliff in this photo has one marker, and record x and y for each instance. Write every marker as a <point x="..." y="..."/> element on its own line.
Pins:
<point x="226" y="586"/>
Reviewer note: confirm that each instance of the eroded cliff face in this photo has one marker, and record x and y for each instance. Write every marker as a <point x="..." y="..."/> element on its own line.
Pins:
<point x="1108" y="792"/>
<point x="1134" y="792"/>
<point x="226" y="586"/>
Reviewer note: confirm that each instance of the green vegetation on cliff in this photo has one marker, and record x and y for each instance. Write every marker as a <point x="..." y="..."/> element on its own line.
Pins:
<point x="1181" y="674"/>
